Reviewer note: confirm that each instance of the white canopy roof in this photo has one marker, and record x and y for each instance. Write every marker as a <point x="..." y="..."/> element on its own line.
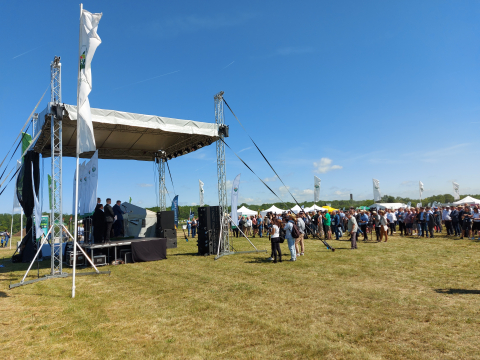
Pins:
<point x="315" y="207"/>
<point x="467" y="200"/>
<point x="244" y="211"/>
<point x="296" y="209"/>
<point x="122" y="135"/>
<point x="273" y="209"/>
<point x="388" y="205"/>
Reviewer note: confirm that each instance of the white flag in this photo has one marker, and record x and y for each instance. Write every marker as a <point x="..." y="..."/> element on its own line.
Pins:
<point x="89" y="41"/>
<point x="456" y="191"/>
<point x="420" y="185"/>
<point x="92" y="183"/>
<point x="74" y="189"/>
<point x="81" y="189"/>
<point x="316" y="189"/>
<point x="376" y="190"/>
<point x="16" y="204"/>
<point x="37" y="210"/>
<point x="200" y="185"/>
<point x="235" y="187"/>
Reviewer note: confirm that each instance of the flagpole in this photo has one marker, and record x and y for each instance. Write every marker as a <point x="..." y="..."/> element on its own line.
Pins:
<point x="78" y="160"/>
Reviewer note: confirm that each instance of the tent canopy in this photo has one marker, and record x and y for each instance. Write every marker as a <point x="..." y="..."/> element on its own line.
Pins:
<point x="315" y="207"/>
<point x="122" y="135"/>
<point x="388" y="205"/>
<point x="467" y="200"/>
<point x="244" y="211"/>
<point x="329" y="208"/>
<point x="273" y="209"/>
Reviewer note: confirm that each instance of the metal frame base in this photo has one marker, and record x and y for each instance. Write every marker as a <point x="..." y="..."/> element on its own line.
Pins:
<point x="48" y="277"/>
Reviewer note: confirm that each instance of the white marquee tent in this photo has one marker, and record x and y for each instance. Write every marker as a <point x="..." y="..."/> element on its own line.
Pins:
<point x="467" y="200"/>
<point x="245" y="211"/>
<point x="315" y="207"/>
<point x="273" y="209"/>
<point x="388" y="205"/>
<point x="296" y="209"/>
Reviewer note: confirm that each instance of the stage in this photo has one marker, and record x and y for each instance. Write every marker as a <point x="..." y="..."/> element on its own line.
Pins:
<point x="142" y="249"/>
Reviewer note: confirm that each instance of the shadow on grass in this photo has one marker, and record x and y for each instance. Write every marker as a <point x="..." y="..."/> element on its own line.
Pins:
<point x="264" y="260"/>
<point x="3" y="294"/>
<point x="186" y="254"/>
<point x="457" y="291"/>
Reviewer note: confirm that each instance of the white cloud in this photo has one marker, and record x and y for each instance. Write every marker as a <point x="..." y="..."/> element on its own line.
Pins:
<point x="248" y="148"/>
<point x="325" y="165"/>
<point x="284" y="189"/>
<point x="268" y="179"/>
<point x="246" y="200"/>
<point x="145" y="185"/>
<point x="306" y="192"/>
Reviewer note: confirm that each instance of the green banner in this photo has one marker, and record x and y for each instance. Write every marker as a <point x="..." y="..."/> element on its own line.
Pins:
<point x="26" y="141"/>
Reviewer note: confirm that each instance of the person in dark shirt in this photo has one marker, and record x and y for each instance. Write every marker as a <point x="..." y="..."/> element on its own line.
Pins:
<point x="109" y="219"/>
<point x="98" y="222"/>
<point x="118" y="224"/>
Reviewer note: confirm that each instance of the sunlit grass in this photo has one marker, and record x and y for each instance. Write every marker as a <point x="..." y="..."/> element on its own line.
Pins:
<point x="408" y="298"/>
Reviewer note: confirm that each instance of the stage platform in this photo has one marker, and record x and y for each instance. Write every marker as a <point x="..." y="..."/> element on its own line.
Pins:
<point x="142" y="249"/>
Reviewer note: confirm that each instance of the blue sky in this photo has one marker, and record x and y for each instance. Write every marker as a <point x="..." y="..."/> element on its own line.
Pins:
<point x="345" y="90"/>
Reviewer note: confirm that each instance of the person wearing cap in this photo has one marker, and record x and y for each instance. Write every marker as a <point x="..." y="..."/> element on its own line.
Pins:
<point x="447" y="220"/>
<point x="288" y="227"/>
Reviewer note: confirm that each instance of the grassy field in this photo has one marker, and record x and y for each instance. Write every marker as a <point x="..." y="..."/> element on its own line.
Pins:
<point x="406" y="299"/>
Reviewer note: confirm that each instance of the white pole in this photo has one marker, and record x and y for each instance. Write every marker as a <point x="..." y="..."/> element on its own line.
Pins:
<point x="76" y="181"/>
<point x="21" y="225"/>
<point x="11" y="230"/>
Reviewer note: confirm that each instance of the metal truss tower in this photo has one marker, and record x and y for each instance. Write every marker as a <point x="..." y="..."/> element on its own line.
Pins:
<point x="222" y="175"/>
<point x="162" y="189"/>
<point x="56" y="144"/>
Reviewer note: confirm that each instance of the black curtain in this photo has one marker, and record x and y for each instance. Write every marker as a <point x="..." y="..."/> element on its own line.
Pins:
<point x="24" y="184"/>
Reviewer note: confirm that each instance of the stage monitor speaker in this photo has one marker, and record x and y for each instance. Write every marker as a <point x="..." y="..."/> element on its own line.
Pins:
<point x="169" y="234"/>
<point x="171" y="243"/>
<point x="165" y="220"/>
<point x="208" y="229"/>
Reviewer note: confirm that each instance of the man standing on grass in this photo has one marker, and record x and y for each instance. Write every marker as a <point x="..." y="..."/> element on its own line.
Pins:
<point x="352" y="229"/>
<point x="447" y="220"/>
<point x="326" y="225"/>
<point x="288" y="227"/>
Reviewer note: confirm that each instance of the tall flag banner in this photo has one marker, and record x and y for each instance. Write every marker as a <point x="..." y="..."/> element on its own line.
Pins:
<point x="409" y="204"/>
<point x="192" y="214"/>
<point x="376" y="190"/>
<point x="456" y="191"/>
<point x="81" y="188"/>
<point x="316" y="189"/>
<point x="420" y="188"/>
<point x="175" y="209"/>
<point x="200" y="185"/>
<point x="16" y="203"/>
<point x="130" y="200"/>
<point x="37" y="210"/>
<point x="235" y="187"/>
<point x="91" y="174"/>
<point x="89" y="41"/>
<point x="74" y="188"/>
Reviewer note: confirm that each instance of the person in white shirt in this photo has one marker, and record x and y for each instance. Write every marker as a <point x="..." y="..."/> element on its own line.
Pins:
<point x="447" y="220"/>
<point x="248" y="227"/>
<point x="476" y="223"/>
<point x="391" y="221"/>
<point x="275" y="239"/>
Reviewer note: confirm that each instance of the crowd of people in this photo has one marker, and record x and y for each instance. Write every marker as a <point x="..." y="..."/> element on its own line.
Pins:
<point x="459" y="221"/>
<point x="107" y="221"/>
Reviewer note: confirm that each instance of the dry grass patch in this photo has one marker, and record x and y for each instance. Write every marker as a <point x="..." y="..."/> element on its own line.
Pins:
<point x="408" y="298"/>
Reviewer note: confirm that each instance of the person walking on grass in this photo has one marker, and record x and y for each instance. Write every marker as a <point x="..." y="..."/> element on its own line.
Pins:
<point x="352" y="229"/>
<point x="288" y="227"/>
<point x="299" y="240"/>
<point x="276" y="240"/>
<point x="383" y="226"/>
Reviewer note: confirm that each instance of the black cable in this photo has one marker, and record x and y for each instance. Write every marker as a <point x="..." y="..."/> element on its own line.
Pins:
<point x="168" y="167"/>
<point x="261" y="152"/>
<point x="249" y="168"/>
<point x="13" y="154"/>
<point x="16" y="172"/>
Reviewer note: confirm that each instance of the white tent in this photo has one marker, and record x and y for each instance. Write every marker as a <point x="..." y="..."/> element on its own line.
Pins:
<point x="138" y="222"/>
<point x="393" y="206"/>
<point x="296" y="209"/>
<point x="273" y="209"/>
<point x="467" y="200"/>
<point x="315" y="207"/>
<point x="244" y="211"/>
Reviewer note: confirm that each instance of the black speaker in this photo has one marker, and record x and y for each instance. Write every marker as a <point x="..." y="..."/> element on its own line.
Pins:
<point x="165" y="220"/>
<point x="171" y="243"/>
<point x="208" y="229"/>
<point x="169" y="234"/>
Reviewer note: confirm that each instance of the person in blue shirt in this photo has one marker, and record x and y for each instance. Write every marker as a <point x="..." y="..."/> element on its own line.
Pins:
<point x="337" y="224"/>
<point x="260" y="225"/>
<point x="288" y="227"/>
<point x="363" y="225"/>
<point x="189" y="226"/>
<point x="422" y="223"/>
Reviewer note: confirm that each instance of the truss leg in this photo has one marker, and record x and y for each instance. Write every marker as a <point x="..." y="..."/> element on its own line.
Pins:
<point x="222" y="175"/>
<point x="162" y="189"/>
<point x="56" y="215"/>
